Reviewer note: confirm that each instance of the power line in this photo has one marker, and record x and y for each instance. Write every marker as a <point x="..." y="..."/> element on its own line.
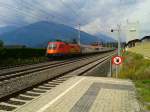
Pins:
<point x="30" y="6"/>
<point x="68" y="7"/>
<point x="18" y="10"/>
<point x="31" y="14"/>
<point x="55" y="12"/>
<point x="46" y="14"/>
<point x="72" y="10"/>
<point x="39" y="9"/>
<point x="75" y="4"/>
<point x="78" y="22"/>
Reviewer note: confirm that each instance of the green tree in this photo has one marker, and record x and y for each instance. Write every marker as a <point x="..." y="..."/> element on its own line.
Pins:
<point x="1" y="43"/>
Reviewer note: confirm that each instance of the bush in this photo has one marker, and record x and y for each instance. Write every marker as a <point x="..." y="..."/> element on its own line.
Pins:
<point x="21" y="53"/>
<point x="1" y="43"/>
<point x="17" y="56"/>
<point x="135" y="67"/>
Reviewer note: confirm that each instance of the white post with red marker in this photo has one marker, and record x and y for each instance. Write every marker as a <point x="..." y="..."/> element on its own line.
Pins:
<point x="117" y="60"/>
<point x="119" y="44"/>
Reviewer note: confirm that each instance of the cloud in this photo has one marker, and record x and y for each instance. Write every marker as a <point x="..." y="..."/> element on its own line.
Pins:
<point x="95" y="16"/>
<point x="111" y="13"/>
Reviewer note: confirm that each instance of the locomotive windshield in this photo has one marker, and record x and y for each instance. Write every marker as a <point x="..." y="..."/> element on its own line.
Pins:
<point x="52" y="46"/>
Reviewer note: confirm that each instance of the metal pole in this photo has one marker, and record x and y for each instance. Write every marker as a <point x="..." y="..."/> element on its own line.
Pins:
<point x="116" y="71"/>
<point x="110" y="75"/>
<point x="119" y="45"/>
<point x="119" y="49"/>
<point x="119" y="31"/>
<point x="79" y="36"/>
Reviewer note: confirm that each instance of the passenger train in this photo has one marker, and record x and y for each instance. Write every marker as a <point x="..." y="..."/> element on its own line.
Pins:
<point x="59" y="48"/>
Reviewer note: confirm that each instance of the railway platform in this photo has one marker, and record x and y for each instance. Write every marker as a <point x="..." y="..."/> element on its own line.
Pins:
<point x="87" y="94"/>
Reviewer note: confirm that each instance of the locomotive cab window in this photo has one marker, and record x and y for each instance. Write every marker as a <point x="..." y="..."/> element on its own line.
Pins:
<point x="52" y="46"/>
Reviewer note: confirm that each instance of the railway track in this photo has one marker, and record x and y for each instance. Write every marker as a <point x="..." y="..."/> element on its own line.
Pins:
<point x="16" y="90"/>
<point x="20" y="67"/>
<point x="29" y="67"/>
<point x="6" y="75"/>
<point x="23" y="66"/>
<point x="34" y="66"/>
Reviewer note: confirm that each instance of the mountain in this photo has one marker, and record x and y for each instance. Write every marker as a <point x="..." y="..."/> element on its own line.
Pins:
<point x="104" y="38"/>
<point x="7" y="29"/>
<point x="38" y="34"/>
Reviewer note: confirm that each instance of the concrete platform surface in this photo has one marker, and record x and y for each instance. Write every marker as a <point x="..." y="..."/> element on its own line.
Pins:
<point x="87" y="94"/>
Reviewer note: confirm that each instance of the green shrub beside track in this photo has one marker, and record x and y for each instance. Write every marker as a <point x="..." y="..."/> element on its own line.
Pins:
<point x="136" y="68"/>
<point x="17" y="56"/>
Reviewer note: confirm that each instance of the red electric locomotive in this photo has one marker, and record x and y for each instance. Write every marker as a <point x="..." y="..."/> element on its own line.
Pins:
<point x="62" y="48"/>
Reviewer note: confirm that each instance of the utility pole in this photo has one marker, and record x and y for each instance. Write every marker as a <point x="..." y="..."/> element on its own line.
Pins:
<point x="119" y="44"/>
<point x="119" y="36"/>
<point x="79" y="35"/>
<point x="110" y="74"/>
<point x="119" y="48"/>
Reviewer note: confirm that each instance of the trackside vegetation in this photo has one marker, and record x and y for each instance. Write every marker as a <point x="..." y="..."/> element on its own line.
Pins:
<point x="137" y="68"/>
<point x="17" y="56"/>
<point x="1" y="43"/>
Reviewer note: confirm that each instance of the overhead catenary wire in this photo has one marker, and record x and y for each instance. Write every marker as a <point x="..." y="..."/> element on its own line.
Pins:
<point x="75" y="4"/>
<point x="67" y="6"/>
<point x="57" y="14"/>
<point x="41" y="15"/>
<point x="42" y="11"/>
<point x="18" y="11"/>
<point x="32" y="15"/>
<point x="73" y="12"/>
<point x="78" y="24"/>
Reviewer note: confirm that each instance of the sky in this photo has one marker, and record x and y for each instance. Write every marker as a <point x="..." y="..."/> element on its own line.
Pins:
<point x="94" y="16"/>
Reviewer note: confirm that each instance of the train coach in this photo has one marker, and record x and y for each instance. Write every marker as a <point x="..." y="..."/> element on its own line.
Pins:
<point x="59" y="48"/>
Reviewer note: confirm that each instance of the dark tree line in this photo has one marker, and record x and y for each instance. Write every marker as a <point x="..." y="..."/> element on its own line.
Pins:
<point x="1" y="43"/>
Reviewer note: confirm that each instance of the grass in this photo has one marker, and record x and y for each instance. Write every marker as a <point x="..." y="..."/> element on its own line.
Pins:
<point x="143" y="48"/>
<point x="143" y="88"/>
<point x="137" y="68"/>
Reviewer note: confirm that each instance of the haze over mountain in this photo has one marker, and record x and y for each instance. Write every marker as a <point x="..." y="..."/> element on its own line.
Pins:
<point x="39" y="33"/>
<point x="7" y="29"/>
<point x="104" y="38"/>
